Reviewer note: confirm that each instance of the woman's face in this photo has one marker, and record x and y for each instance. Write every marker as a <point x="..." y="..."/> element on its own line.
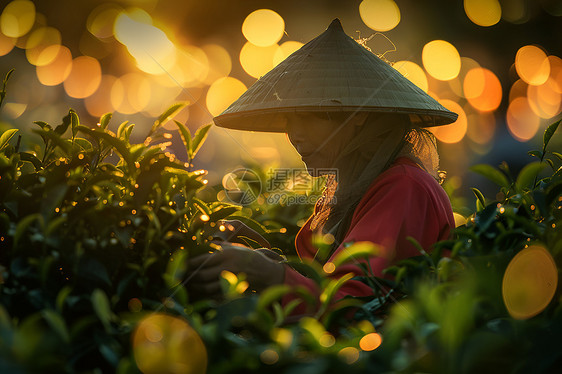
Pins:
<point x="319" y="138"/>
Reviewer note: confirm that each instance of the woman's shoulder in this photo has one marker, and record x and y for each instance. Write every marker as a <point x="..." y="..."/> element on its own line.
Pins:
<point x="406" y="170"/>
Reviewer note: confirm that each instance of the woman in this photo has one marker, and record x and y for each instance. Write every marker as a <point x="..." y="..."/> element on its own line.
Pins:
<point x="345" y="110"/>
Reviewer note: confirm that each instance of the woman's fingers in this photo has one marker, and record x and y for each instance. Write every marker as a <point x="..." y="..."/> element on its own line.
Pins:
<point x="236" y="228"/>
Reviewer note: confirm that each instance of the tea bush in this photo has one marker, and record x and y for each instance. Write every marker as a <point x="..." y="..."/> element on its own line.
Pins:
<point x="89" y="249"/>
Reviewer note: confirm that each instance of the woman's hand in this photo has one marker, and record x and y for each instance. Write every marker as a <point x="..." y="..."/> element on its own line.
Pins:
<point x="261" y="270"/>
<point x="235" y="231"/>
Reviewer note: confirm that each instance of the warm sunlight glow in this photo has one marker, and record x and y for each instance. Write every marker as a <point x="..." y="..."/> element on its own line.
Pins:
<point x="133" y="90"/>
<point x="482" y="89"/>
<point x="483" y="12"/>
<point x="151" y="48"/>
<point x="518" y="89"/>
<point x="544" y="100"/>
<point x="58" y="70"/>
<point x="263" y="27"/>
<point x="99" y="102"/>
<point x="222" y="93"/>
<point x="257" y="61"/>
<point x="42" y="46"/>
<point x="6" y="44"/>
<point x="532" y="65"/>
<point x="370" y="342"/>
<point x="456" y="84"/>
<point x="413" y="72"/>
<point x="349" y="355"/>
<point x="481" y="127"/>
<point x="441" y="60"/>
<point x="101" y="20"/>
<point x="84" y="77"/>
<point x="454" y="132"/>
<point x="17" y="18"/>
<point x="220" y="63"/>
<point x="529" y="282"/>
<point x="522" y="123"/>
<point x="556" y="71"/>
<point x="380" y="15"/>
<point x="166" y="344"/>
<point x="285" y="50"/>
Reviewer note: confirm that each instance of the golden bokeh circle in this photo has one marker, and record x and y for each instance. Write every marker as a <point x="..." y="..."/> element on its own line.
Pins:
<point x="380" y="15"/>
<point x="263" y="27"/>
<point x="166" y="344"/>
<point x="222" y="93"/>
<point x="413" y="72"/>
<point x="454" y="132"/>
<point x="441" y="60"/>
<point x="532" y="65"/>
<point x="529" y="282"/>
<point x="483" y="12"/>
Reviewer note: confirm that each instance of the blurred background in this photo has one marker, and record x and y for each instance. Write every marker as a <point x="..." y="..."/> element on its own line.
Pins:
<point x="495" y="62"/>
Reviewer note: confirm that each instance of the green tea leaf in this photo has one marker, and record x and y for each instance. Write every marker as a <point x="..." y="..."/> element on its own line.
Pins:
<point x="61" y="297"/>
<point x="121" y="129"/>
<point x="56" y="322"/>
<point x="101" y="306"/>
<point x="6" y="136"/>
<point x="24" y="156"/>
<point x="199" y="138"/>
<point x="164" y="116"/>
<point x="492" y="174"/>
<point x="272" y="294"/>
<point x="559" y="155"/>
<point x="24" y="224"/>
<point x="104" y="120"/>
<point x="479" y="196"/>
<point x="356" y="251"/>
<point x="537" y="154"/>
<point x="185" y="137"/>
<point x="74" y="122"/>
<point x="528" y="174"/>
<point x="548" y="134"/>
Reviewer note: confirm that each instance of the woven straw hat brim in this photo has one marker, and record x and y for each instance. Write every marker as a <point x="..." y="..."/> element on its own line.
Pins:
<point x="330" y="73"/>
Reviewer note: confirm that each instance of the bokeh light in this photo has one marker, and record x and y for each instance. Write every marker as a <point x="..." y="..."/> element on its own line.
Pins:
<point x="58" y="70"/>
<point x="522" y="122"/>
<point x="222" y="93"/>
<point x="441" y="60"/>
<point x="518" y="89"/>
<point x="456" y="84"/>
<point x="6" y="44"/>
<point x="166" y="344"/>
<point x="380" y="15"/>
<point x="481" y="127"/>
<point x="42" y="46"/>
<point x="151" y="48"/>
<point x="413" y="72"/>
<point x="263" y="27"/>
<point x="130" y="93"/>
<point x="17" y="18"/>
<point x="99" y="103"/>
<point x="454" y="132"/>
<point x="219" y="62"/>
<point x="370" y="342"/>
<point x="101" y="20"/>
<point x="532" y="65"/>
<point x="349" y="354"/>
<point x="544" y="100"/>
<point x="285" y="50"/>
<point x="556" y="72"/>
<point x="529" y="282"/>
<point x="257" y="61"/>
<point x="483" y="12"/>
<point x="84" y="77"/>
<point x="482" y="89"/>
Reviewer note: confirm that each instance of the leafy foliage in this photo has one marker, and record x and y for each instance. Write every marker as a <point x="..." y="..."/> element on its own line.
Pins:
<point x="88" y="248"/>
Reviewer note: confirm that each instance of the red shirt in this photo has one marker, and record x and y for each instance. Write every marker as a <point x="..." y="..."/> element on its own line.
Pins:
<point x="402" y="201"/>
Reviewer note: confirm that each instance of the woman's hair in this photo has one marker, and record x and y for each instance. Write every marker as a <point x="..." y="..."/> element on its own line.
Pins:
<point x="380" y="139"/>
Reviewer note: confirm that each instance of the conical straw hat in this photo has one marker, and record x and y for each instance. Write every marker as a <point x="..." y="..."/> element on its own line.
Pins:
<point x="330" y="73"/>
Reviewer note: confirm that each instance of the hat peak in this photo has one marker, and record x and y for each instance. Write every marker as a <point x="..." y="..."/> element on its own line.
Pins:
<point x="335" y="25"/>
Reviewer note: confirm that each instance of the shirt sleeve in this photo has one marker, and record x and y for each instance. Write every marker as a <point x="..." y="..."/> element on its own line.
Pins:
<point x="398" y="207"/>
